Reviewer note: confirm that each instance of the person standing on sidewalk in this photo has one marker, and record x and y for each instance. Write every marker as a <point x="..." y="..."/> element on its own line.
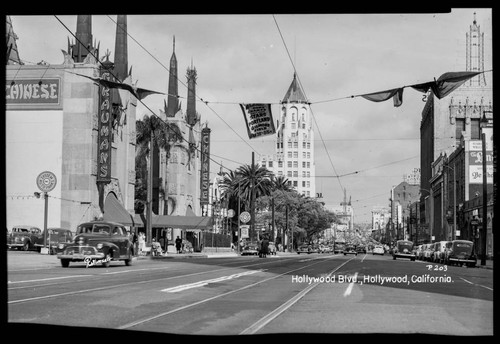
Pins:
<point x="178" y="244"/>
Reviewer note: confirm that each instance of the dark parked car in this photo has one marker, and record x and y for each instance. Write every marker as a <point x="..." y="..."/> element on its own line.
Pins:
<point x="361" y="249"/>
<point x="55" y="236"/>
<point x="461" y="252"/>
<point x="23" y="237"/>
<point x="98" y="242"/>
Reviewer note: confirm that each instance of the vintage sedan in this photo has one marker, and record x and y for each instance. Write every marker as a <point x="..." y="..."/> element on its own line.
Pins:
<point x="461" y="252"/>
<point x="403" y="249"/>
<point x="97" y="243"/>
<point x="305" y="248"/>
<point x="250" y="250"/>
<point x="350" y="249"/>
<point x="55" y="236"/>
<point x="379" y="249"/>
<point x="23" y="237"/>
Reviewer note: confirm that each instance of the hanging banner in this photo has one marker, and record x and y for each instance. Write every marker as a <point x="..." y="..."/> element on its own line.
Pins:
<point x="259" y="119"/>
<point x="205" y="166"/>
<point x="104" y="132"/>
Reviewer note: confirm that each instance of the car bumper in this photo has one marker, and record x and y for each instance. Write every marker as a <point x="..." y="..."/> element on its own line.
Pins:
<point x="14" y="245"/>
<point x="403" y="255"/>
<point x="458" y="260"/>
<point x="80" y="253"/>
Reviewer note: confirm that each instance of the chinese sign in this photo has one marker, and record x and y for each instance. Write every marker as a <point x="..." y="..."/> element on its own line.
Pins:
<point x="33" y="92"/>
<point x="205" y="166"/>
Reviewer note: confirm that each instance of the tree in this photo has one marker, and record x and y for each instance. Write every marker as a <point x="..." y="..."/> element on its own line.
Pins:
<point x="152" y="131"/>
<point x="281" y="183"/>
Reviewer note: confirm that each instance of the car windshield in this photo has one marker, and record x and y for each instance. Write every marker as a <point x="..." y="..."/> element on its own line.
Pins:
<point x="463" y="247"/>
<point x="93" y="228"/>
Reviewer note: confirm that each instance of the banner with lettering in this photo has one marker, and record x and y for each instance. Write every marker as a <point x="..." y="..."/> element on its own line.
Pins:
<point x="475" y="157"/>
<point x="205" y="166"/>
<point x="38" y="93"/>
<point x="259" y="119"/>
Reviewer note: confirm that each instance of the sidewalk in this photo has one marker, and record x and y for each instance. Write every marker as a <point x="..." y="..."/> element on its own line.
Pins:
<point x="205" y="255"/>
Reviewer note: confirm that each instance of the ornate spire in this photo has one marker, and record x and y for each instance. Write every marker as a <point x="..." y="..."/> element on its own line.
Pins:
<point x="121" y="54"/>
<point x="83" y="44"/>
<point x="173" y="93"/>
<point x="12" y="56"/>
<point x="191" y="116"/>
<point x="475" y="54"/>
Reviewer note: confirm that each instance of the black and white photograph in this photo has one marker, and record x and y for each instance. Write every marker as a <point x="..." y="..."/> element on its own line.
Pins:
<point x="261" y="175"/>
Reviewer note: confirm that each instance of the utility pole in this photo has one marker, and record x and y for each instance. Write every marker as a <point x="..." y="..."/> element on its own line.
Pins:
<point x="485" y="203"/>
<point x="252" y="199"/>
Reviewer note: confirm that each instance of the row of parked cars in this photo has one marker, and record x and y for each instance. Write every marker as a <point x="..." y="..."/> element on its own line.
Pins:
<point x="26" y="238"/>
<point x="459" y="252"/>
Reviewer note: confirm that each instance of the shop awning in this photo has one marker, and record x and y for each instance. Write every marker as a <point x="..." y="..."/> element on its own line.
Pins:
<point x="114" y="211"/>
<point x="182" y="222"/>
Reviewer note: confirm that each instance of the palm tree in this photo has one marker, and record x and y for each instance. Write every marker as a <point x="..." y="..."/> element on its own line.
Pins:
<point x="153" y="132"/>
<point x="281" y="183"/>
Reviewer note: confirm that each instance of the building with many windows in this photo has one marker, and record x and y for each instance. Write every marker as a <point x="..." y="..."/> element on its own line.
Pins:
<point x="294" y="158"/>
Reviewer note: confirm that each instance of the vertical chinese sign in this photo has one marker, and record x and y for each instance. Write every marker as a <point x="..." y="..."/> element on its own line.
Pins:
<point x="104" y="132"/>
<point x="205" y="166"/>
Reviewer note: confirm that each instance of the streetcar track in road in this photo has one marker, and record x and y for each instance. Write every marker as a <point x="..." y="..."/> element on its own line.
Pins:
<point x="151" y="318"/>
<point x="119" y="285"/>
<point x="262" y="322"/>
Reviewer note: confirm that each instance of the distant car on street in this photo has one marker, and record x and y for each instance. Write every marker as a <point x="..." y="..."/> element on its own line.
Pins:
<point x="378" y="250"/>
<point x="250" y="250"/>
<point x="97" y="242"/>
<point x="350" y="249"/>
<point x="403" y="249"/>
<point x="361" y="249"/>
<point x="304" y="248"/>
<point x="23" y="237"/>
<point x="338" y="247"/>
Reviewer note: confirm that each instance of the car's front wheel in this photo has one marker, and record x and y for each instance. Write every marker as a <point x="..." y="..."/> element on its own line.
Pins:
<point x="26" y="246"/>
<point x="107" y="260"/>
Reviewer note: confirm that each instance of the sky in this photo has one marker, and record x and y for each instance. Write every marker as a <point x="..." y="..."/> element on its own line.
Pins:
<point x="251" y="58"/>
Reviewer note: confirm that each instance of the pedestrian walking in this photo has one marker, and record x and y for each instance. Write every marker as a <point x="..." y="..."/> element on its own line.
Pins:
<point x="142" y="243"/>
<point x="178" y="244"/>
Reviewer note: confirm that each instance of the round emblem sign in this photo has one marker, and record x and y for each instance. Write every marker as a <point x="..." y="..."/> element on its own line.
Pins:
<point x="46" y="181"/>
<point x="245" y="217"/>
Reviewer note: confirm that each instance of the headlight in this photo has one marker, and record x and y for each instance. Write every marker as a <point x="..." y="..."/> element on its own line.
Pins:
<point x="99" y="246"/>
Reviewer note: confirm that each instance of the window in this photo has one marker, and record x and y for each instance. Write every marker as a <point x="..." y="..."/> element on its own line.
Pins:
<point x="295" y="144"/>
<point x="309" y="145"/>
<point x="296" y="164"/>
<point x="295" y="183"/>
<point x="459" y="127"/>
<point x="289" y="174"/>
<point x="308" y="155"/>
<point x="303" y="164"/>
<point x="304" y="144"/>
<point x="280" y="163"/>
<point x="303" y="184"/>
<point x="280" y="173"/>
<point x="475" y="130"/>
<point x="308" y="164"/>
<point x="289" y="144"/>
<point x="289" y="154"/>
<point x="304" y="155"/>
<point x="289" y="164"/>
<point x="296" y="155"/>
<point x="270" y="164"/>
<point x="295" y="173"/>
<point x="308" y="183"/>
<point x="293" y="126"/>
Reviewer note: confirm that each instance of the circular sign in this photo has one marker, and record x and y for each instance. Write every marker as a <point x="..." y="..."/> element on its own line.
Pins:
<point x="46" y="181"/>
<point x="230" y="213"/>
<point x="245" y="217"/>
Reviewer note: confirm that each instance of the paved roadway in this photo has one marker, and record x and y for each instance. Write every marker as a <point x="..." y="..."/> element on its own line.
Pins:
<point x="249" y="295"/>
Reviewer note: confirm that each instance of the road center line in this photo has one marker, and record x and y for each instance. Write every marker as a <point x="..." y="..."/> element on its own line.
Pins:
<point x="349" y="287"/>
<point x="274" y="314"/>
<point x="46" y="279"/>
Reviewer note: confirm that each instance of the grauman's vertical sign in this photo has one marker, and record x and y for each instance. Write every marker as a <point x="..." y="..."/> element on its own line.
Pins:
<point x="104" y="132"/>
<point x="205" y="166"/>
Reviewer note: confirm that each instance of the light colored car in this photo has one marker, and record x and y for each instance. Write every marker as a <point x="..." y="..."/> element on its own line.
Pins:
<point x="378" y="250"/>
<point x="440" y="251"/>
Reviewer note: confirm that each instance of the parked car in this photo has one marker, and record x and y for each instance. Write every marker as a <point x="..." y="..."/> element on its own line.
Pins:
<point x="439" y="251"/>
<point x="350" y="249"/>
<point x="23" y="237"/>
<point x="378" y="250"/>
<point x="325" y="249"/>
<point x="428" y="252"/>
<point x="55" y="236"/>
<point x="461" y="252"/>
<point x="97" y="242"/>
<point x="304" y="248"/>
<point x="250" y="249"/>
<point x="403" y="249"/>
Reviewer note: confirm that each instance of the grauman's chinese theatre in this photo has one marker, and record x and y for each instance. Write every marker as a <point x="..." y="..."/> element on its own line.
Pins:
<point x="59" y="120"/>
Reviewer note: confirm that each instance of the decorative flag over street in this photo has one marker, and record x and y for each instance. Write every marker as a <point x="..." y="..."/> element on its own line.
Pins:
<point x="447" y="83"/>
<point x="259" y="119"/>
